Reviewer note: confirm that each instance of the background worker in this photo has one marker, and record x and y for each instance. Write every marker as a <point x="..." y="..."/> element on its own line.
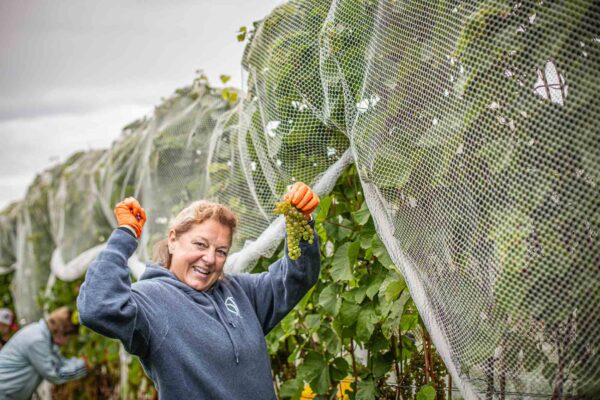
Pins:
<point x="33" y="354"/>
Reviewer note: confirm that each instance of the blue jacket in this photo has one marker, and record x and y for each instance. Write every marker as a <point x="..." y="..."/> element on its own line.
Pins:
<point x="30" y="356"/>
<point x="195" y="345"/>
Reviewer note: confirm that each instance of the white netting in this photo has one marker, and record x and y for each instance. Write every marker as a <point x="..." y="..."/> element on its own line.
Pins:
<point x="474" y="128"/>
<point x="158" y="160"/>
<point x="8" y="238"/>
<point x="478" y="150"/>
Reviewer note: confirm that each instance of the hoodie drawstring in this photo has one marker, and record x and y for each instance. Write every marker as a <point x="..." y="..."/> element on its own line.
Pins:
<point x="222" y="319"/>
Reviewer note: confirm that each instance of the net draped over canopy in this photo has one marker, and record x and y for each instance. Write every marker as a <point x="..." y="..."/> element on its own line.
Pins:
<point x="473" y="126"/>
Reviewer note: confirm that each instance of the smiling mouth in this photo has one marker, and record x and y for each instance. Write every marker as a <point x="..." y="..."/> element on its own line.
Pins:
<point x="200" y="270"/>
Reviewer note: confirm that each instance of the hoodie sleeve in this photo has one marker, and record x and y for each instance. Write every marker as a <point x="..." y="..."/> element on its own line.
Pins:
<point x="275" y="292"/>
<point x="52" y="366"/>
<point x="106" y="302"/>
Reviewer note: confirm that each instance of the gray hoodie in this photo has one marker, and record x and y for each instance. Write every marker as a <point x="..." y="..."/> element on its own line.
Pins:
<point x="30" y="356"/>
<point x="195" y="345"/>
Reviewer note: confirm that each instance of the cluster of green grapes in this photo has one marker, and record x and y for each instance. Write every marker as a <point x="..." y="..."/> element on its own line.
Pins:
<point x="297" y="227"/>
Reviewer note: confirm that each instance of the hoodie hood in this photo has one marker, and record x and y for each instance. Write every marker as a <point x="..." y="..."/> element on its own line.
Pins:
<point x="156" y="271"/>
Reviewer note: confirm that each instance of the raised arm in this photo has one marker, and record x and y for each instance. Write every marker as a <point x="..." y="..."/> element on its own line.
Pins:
<point x="274" y="293"/>
<point x="106" y="302"/>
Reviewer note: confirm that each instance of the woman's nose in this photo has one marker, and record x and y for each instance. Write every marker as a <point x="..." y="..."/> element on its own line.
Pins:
<point x="209" y="256"/>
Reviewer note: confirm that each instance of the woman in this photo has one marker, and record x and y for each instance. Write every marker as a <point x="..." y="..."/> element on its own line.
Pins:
<point x="198" y="333"/>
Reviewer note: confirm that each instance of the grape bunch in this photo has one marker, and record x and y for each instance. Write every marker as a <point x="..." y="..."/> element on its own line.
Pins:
<point x="297" y="227"/>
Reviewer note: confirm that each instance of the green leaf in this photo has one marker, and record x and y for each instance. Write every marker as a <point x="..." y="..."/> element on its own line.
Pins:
<point x="320" y="384"/>
<point x="340" y="268"/>
<point x="349" y="312"/>
<point x="442" y="132"/>
<point x="498" y="154"/>
<point x="395" y="311"/>
<point x="288" y="324"/>
<point x="224" y="78"/>
<point x="379" y="343"/>
<point x="381" y="253"/>
<point x="292" y="388"/>
<point x="426" y="392"/>
<point x="374" y="284"/>
<point x="362" y="215"/>
<point x="329" y="339"/>
<point x="241" y="34"/>
<point x="408" y="322"/>
<point x="366" y="390"/>
<point x="315" y="370"/>
<point x="393" y="286"/>
<point x="365" y="323"/>
<point x="353" y="250"/>
<point x="135" y="373"/>
<point x="294" y="355"/>
<point x="306" y="299"/>
<point x="311" y="366"/>
<point x="323" y="209"/>
<point x="381" y="364"/>
<point x="330" y="300"/>
<point x="337" y="327"/>
<point x="339" y="369"/>
<point x="359" y="293"/>
<point x="322" y="232"/>
<point x="510" y="234"/>
<point x="408" y="347"/>
<point x="475" y="25"/>
<point x="386" y="171"/>
<point x="366" y="236"/>
<point x="313" y="321"/>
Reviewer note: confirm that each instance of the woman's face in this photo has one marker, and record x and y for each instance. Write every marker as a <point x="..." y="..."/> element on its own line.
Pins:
<point x="198" y="255"/>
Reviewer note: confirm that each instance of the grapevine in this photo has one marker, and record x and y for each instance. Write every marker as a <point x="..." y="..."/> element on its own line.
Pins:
<point x="297" y="227"/>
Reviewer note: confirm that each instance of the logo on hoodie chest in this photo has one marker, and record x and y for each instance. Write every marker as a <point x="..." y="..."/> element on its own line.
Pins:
<point x="231" y="306"/>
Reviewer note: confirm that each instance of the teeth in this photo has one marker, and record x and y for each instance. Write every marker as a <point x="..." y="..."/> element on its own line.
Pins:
<point x="200" y="270"/>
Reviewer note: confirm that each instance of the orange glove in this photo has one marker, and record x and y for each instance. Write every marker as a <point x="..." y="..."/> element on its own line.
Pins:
<point x="303" y="198"/>
<point x="130" y="213"/>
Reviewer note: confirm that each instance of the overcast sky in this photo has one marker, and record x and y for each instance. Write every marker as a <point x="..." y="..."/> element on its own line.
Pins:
<point x="73" y="73"/>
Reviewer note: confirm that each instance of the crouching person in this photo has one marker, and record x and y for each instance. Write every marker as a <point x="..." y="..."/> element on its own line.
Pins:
<point x="33" y="354"/>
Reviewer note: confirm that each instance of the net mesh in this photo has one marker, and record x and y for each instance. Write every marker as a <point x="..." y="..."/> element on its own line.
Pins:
<point x="474" y="129"/>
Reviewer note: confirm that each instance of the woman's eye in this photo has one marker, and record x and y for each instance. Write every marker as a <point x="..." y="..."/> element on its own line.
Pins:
<point x="200" y="244"/>
<point x="223" y="253"/>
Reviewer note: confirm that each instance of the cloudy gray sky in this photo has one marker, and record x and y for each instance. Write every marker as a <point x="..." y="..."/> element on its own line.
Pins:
<point x="73" y="73"/>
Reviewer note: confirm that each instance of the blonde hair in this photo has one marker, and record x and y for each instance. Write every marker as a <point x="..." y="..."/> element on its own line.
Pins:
<point x="60" y="322"/>
<point x="196" y="213"/>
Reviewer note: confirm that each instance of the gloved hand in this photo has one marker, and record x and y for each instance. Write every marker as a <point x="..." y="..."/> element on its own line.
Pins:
<point x="130" y="213"/>
<point x="303" y="198"/>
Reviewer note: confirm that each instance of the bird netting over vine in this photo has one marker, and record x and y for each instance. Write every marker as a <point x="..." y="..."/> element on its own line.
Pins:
<point x="473" y="126"/>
